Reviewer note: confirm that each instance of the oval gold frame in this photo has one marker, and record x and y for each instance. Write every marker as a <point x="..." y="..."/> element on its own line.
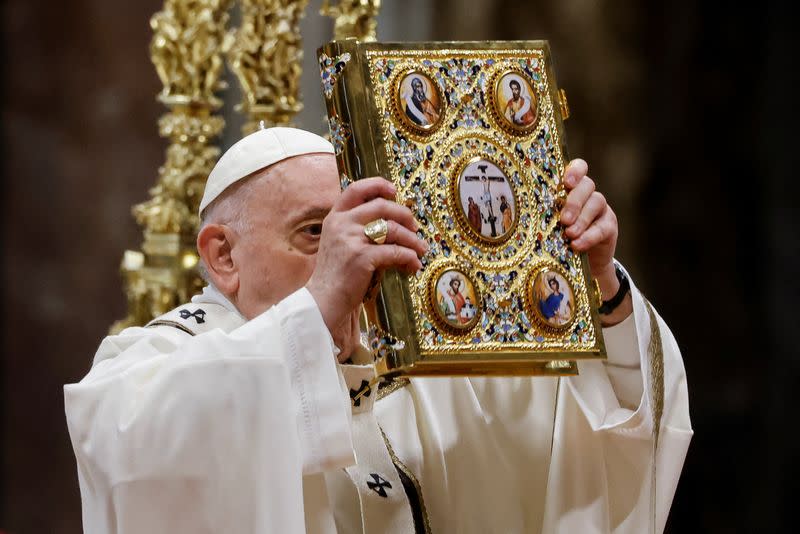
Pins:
<point x="455" y="199"/>
<point x="531" y="303"/>
<point x="399" y="113"/>
<point x="498" y="117"/>
<point x="433" y="301"/>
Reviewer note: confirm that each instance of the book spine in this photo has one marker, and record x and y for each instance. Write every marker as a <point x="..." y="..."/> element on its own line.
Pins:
<point x="343" y="87"/>
<point x="360" y="154"/>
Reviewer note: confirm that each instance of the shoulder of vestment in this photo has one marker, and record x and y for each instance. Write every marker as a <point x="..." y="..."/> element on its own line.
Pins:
<point x="196" y="318"/>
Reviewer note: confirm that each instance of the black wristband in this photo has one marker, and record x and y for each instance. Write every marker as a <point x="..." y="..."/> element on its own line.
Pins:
<point x="611" y="304"/>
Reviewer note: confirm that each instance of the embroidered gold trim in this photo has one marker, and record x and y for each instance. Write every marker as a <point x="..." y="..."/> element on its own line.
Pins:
<point x="553" y="431"/>
<point x="397" y="383"/>
<point x="655" y="353"/>
<point x="164" y="322"/>
<point x="400" y="465"/>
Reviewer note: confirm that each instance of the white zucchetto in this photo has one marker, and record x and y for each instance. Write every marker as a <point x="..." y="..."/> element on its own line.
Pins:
<point x="257" y="151"/>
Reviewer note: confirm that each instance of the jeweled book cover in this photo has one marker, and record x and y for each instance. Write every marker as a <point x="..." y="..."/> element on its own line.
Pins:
<point x="472" y="135"/>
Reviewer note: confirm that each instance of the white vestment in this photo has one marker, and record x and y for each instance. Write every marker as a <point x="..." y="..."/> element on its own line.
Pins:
<point x="202" y="422"/>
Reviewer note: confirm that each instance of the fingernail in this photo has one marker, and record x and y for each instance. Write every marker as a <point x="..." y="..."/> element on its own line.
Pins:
<point x="566" y="216"/>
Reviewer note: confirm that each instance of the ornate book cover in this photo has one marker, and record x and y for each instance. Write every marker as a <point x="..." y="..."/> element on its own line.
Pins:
<point x="471" y="134"/>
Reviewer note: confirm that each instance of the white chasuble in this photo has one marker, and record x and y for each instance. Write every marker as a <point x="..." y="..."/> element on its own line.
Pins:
<point x="202" y="422"/>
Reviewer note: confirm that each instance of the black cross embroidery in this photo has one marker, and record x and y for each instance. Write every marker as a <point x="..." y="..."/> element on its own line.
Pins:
<point x="379" y="484"/>
<point x="354" y="393"/>
<point x="198" y="315"/>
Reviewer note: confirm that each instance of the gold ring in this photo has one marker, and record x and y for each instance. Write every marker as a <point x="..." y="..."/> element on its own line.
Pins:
<point x="377" y="231"/>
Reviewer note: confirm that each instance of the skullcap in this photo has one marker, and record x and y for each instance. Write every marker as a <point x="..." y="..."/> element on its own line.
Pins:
<point x="257" y="151"/>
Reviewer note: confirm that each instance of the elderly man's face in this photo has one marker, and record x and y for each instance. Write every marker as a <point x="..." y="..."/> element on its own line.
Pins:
<point x="285" y="211"/>
<point x="416" y="85"/>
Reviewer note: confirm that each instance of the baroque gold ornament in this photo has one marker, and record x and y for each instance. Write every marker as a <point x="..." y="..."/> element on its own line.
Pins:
<point x="265" y="53"/>
<point x="187" y="35"/>
<point x="353" y="18"/>
<point x="185" y="50"/>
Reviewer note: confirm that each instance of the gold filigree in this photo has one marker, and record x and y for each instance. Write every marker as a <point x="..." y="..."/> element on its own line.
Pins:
<point x="563" y="104"/>
<point x="265" y="53"/>
<point x="512" y="259"/>
<point x="329" y="70"/>
<point x="175" y="199"/>
<point x="353" y="18"/>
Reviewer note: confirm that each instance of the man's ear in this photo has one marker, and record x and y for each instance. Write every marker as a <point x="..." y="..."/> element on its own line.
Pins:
<point x="214" y="245"/>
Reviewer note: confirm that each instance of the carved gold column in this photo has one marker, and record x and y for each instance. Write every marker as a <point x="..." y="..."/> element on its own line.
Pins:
<point x="265" y="53"/>
<point x="353" y="18"/>
<point x="185" y="50"/>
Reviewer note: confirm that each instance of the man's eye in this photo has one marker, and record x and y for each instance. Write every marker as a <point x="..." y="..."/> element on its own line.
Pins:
<point x="313" y="229"/>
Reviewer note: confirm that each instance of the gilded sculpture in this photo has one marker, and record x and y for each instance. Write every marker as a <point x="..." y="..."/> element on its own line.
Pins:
<point x="185" y="51"/>
<point x="353" y="18"/>
<point x="265" y="54"/>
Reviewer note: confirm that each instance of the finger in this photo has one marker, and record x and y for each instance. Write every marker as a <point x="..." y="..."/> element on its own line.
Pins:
<point x="400" y="235"/>
<point x="391" y="256"/>
<point x="603" y="230"/>
<point x="576" y="170"/>
<point x="576" y="199"/>
<point x="592" y="210"/>
<point x="380" y="208"/>
<point x="362" y="191"/>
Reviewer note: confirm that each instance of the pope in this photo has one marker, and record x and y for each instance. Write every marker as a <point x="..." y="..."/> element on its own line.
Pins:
<point x="237" y="412"/>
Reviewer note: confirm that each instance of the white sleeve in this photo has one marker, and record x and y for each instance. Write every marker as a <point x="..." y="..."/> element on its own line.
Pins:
<point x="608" y="472"/>
<point x="212" y="433"/>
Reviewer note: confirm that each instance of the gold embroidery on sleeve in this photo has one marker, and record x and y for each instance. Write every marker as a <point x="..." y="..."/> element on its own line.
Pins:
<point x="173" y="324"/>
<point x="655" y="355"/>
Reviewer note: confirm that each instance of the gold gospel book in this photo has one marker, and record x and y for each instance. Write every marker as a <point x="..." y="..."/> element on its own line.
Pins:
<point x="472" y="135"/>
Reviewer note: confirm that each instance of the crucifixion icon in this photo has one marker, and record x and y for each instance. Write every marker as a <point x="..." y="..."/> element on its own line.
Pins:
<point x="486" y="180"/>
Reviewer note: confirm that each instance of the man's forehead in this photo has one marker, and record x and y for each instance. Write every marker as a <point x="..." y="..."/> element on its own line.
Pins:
<point x="310" y="171"/>
<point x="303" y="183"/>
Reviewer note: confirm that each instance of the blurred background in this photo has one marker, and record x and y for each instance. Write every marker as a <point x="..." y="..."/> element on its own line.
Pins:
<point x="684" y="111"/>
